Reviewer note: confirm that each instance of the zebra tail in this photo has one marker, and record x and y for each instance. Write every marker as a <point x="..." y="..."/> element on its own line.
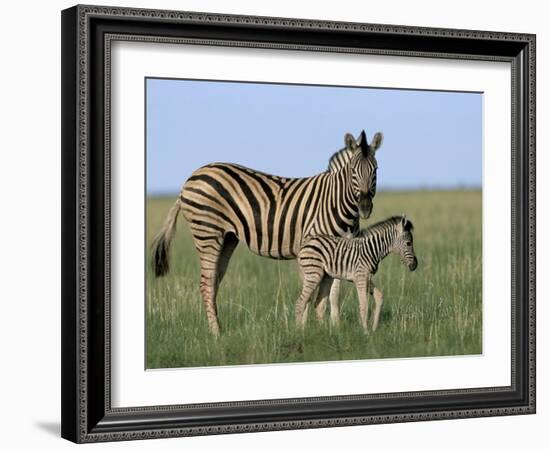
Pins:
<point x="161" y="243"/>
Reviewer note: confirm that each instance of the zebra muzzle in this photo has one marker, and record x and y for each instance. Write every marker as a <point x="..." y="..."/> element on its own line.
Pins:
<point x="365" y="208"/>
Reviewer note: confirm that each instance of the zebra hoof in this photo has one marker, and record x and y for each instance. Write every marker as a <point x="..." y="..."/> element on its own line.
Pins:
<point x="215" y="331"/>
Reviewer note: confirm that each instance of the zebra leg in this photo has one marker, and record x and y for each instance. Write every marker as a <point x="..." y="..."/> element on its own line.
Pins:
<point x="229" y="244"/>
<point x="335" y="302"/>
<point x="321" y="307"/>
<point x="306" y="308"/>
<point x="362" y="294"/>
<point x="210" y="250"/>
<point x="322" y="296"/>
<point x="310" y="284"/>
<point x="378" y="301"/>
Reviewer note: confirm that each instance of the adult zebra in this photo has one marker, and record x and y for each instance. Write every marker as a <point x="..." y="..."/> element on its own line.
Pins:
<point x="226" y="203"/>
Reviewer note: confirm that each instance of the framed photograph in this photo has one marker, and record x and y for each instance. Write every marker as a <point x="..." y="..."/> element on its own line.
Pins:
<point x="276" y="224"/>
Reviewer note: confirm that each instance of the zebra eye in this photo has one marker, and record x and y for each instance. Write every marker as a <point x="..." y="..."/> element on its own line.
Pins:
<point x="408" y="243"/>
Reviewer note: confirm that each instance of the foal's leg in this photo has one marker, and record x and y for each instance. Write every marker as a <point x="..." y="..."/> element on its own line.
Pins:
<point x="321" y="307"/>
<point x="306" y="308"/>
<point x="311" y="281"/>
<point x="378" y="301"/>
<point x="362" y="295"/>
<point x="335" y="302"/>
<point x="322" y="296"/>
<point x="321" y="304"/>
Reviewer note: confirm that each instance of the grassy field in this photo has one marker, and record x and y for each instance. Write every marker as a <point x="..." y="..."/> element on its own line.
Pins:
<point x="434" y="311"/>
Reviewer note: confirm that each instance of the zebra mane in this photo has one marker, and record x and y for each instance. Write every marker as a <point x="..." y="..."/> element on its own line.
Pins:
<point x="385" y="224"/>
<point x="339" y="158"/>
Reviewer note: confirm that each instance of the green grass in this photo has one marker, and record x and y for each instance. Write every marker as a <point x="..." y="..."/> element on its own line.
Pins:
<point x="434" y="311"/>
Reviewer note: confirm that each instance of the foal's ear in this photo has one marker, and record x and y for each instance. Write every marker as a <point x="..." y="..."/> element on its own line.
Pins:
<point x="401" y="224"/>
<point x="350" y="142"/>
<point x="406" y="223"/>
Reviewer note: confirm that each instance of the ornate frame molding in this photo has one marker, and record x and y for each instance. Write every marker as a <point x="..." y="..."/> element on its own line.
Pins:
<point x="85" y="418"/>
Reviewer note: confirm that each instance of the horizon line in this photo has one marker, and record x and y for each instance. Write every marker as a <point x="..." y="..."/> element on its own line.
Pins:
<point x="464" y="188"/>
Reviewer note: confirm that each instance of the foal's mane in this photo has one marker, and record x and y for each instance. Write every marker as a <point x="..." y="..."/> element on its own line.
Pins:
<point x="385" y="224"/>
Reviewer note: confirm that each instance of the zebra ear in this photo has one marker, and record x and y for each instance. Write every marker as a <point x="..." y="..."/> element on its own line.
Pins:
<point x="376" y="141"/>
<point x="406" y="223"/>
<point x="350" y="142"/>
<point x="402" y="221"/>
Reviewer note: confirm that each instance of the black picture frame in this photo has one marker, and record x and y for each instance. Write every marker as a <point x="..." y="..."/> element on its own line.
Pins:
<point x="87" y="415"/>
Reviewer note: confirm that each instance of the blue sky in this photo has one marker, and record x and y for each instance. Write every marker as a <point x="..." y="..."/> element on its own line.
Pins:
<point x="431" y="139"/>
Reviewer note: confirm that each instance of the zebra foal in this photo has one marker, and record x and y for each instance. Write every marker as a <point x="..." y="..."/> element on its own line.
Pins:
<point x="323" y="258"/>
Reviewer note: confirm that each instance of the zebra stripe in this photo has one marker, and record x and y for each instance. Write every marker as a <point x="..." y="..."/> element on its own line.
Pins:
<point x="323" y="258"/>
<point x="271" y="218"/>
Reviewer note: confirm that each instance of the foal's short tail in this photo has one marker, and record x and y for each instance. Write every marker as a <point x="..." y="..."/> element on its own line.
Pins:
<point x="161" y="243"/>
